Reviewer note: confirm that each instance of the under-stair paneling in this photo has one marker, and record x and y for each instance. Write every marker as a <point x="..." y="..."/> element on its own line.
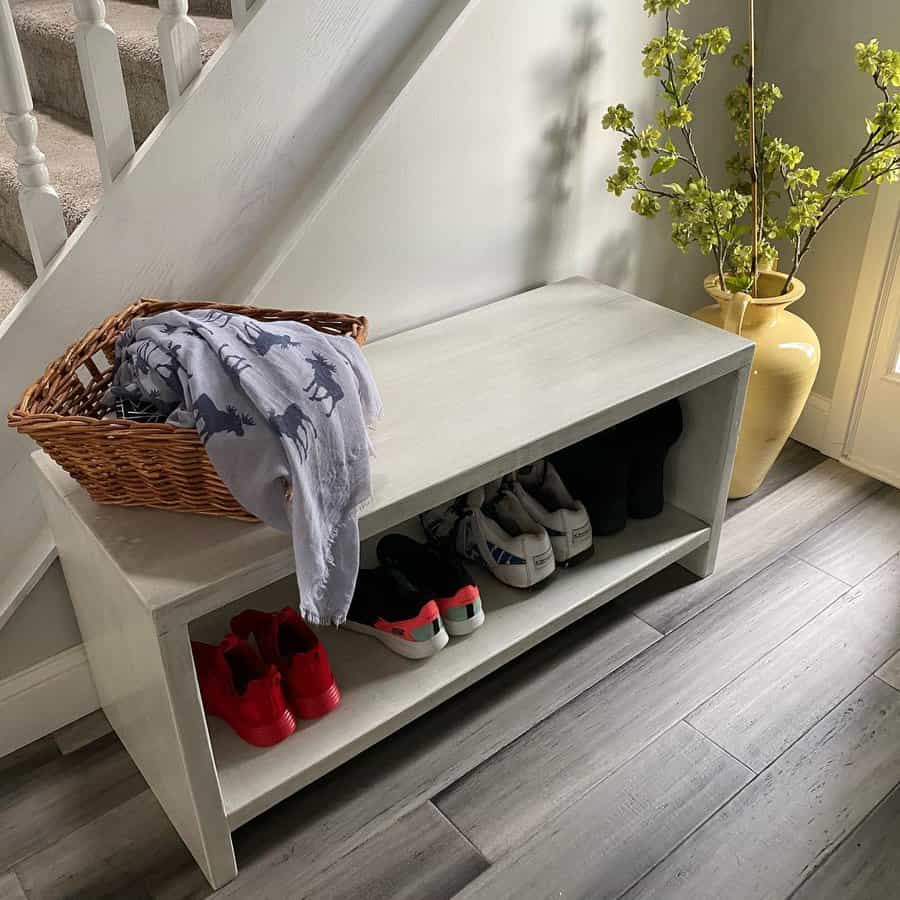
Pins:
<point x="486" y="175"/>
<point x="200" y="192"/>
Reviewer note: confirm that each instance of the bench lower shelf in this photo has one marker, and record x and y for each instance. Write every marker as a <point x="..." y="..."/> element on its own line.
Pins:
<point x="382" y="692"/>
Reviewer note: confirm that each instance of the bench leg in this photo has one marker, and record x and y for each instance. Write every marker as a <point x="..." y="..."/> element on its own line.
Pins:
<point x="147" y="686"/>
<point x="205" y="828"/>
<point x="699" y="473"/>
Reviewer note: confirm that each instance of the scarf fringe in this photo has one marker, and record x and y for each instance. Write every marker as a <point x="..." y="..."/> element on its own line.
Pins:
<point x="307" y="610"/>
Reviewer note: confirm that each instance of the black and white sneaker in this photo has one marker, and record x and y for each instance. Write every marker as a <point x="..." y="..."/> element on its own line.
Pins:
<point x="496" y="532"/>
<point x="546" y="499"/>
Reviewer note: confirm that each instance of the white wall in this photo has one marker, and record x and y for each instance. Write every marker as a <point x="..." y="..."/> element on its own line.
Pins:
<point x="479" y="181"/>
<point x="808" y="50"/>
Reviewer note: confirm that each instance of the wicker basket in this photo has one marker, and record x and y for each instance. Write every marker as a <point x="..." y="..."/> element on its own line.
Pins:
<point x="135" y="463"/>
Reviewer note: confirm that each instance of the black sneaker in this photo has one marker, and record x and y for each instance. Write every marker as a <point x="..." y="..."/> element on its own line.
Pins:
<point x="596" y="471"/>
<point x="438" y="575"/>
<point x="650" y="437"/>
<point x="388" y="607"/>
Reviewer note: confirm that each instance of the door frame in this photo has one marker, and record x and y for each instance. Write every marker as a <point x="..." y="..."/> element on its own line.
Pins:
<point x="878" y="279"/>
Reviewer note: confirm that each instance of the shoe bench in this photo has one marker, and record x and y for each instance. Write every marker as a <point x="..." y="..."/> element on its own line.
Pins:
<point x="466" y="399"/>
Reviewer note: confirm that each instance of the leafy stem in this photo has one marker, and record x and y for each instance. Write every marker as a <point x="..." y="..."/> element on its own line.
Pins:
<point x="715" y="220"/>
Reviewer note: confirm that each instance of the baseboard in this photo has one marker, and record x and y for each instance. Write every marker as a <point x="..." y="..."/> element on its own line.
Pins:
<point x="810" y="428"/>
<point x="45" y="697"/>
<point x="888" y="476"/>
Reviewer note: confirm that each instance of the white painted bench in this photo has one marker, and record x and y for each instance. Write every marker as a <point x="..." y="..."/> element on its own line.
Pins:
<point x="467" y="399"/>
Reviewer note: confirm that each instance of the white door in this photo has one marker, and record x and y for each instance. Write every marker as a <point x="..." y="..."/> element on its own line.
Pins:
<point x="873" y="443"/>
<point x="867" y="399"/>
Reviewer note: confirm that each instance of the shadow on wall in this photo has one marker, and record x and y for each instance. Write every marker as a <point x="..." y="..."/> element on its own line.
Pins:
<point x="578" y="227"/>
<point x="638" y="258"/>
<point x="643" y="261"/>
<point x="556" y="165"/>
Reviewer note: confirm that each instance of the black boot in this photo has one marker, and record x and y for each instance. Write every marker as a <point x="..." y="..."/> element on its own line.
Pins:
<point x="596" y="472"/>
<point x="650" y="436"/>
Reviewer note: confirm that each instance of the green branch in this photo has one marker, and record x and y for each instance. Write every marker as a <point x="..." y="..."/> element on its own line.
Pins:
<point x="713" y="220"/>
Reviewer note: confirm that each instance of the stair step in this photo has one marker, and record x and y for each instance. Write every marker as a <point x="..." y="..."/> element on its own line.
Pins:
<point x="74" y="173"/>
<point x="15" y="277"/>
<point x="46" y="33"/>
<point x="221" y="8"/>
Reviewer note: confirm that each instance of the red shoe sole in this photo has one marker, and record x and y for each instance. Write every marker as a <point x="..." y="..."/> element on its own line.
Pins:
<point x="316" y="707"/>
<point x="263" y="735"/>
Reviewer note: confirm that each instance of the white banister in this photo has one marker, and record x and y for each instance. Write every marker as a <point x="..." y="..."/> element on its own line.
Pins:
<point x="179" y="48"/>
<point x="38" y="201"/>
<point x="104" y="87"/>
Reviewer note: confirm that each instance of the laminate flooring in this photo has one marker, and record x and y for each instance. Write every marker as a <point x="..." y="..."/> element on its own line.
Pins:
<point x="731" y="738"/>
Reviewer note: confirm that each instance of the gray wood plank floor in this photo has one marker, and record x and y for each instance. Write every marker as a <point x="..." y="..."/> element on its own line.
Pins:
<point x="866" y="866"/>
<point x="775" y="831"/>
<point x="82" y="732"/>
<point x="859" y="542"/>
<point x="622" y="827"/>
<point x="761" y="713"/>
<point x="890" y="671"/>
<point x="733" y="738"/>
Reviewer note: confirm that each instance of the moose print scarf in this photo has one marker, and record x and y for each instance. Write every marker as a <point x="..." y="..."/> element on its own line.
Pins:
<point x="284" y="412"/>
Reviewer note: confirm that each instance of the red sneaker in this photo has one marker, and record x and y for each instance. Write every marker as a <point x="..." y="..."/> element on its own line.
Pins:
<point x="286" y="641"/>
<point x="237" y="686"/>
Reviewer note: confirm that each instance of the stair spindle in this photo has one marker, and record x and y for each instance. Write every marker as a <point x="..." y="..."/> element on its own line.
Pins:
<point x="104" y="88"/>
<point x="179" y="48"/>
<point x="38" y="200"/>
<point x="240" y="10"/>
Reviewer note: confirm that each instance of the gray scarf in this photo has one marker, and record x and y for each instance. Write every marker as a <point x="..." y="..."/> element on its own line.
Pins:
<point x="284" y="412"/>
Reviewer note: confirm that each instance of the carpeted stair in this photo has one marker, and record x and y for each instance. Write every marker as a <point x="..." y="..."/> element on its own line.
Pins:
<point x="46" y="35"/>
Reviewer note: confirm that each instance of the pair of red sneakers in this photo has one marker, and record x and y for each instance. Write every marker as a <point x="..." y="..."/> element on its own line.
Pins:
<point x="261" y="693"/>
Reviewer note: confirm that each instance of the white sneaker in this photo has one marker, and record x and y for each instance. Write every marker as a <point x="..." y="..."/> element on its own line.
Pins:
<point x="498" y="533"/>
<point x="546" y="499"/>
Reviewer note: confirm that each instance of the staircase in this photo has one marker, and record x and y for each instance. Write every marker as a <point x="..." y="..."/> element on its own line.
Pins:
<point x="46" y="31"/>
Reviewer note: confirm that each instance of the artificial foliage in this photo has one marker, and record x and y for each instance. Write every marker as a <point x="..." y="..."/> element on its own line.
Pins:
<point x="659" y="165"/>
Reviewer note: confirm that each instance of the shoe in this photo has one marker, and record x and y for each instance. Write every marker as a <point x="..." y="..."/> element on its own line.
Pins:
<point x="490" y="526"/>
<point x="237" y="686"/>
<point x="387" y="606"/>
<point x="442" y="523"/>
<point x="596" y="470"/>
<point x="650" y="437"/>
<point x="440" y="576"/>
<point x="544" y="497"/>
<point x="289" y="644"/>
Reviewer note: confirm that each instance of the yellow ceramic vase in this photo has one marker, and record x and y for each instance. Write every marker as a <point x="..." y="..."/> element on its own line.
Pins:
<point x="784" y="367"/>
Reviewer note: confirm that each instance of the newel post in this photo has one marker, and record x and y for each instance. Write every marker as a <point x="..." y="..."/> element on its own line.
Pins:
<point x="38" y="201"/>
<point x="179" y="48"/>
<point x="104" y="87"/>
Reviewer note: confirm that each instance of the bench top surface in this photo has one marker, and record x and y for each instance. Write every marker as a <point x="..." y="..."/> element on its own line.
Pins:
<point x="466" y="400"/>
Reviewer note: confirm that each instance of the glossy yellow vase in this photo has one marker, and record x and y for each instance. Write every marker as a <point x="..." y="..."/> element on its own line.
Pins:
<point x="784" y="368"/>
